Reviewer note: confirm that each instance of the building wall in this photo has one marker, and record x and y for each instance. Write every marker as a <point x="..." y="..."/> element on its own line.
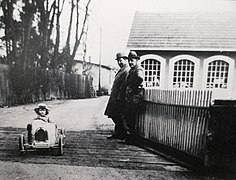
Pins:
<point x="201" y="61"/>
<point x="107" y="74"/>
<point x="107" y="77"/>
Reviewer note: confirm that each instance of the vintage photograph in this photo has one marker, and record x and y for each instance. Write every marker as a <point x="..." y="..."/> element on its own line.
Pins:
<point x="117" y="89"/>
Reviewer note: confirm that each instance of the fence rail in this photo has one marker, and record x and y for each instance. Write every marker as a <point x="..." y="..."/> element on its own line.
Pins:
<point x="177" y="119"/>
<point x="200" y="98"/>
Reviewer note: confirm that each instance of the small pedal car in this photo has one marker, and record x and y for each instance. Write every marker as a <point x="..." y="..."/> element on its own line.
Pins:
<point x="44" y="136"/>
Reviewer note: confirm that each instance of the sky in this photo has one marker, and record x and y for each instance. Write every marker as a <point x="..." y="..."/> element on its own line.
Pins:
<point x="110" y="21"/>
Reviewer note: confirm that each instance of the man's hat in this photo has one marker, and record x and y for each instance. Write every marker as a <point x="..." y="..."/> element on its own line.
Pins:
<point x="42" y="106"/>
<point x="121" y="55"/>
<point x="133" y="54"/>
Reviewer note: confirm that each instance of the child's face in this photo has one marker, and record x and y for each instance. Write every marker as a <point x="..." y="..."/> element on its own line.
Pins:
<point x="42" y="112"/>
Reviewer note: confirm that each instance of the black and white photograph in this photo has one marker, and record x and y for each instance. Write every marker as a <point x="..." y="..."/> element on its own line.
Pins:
<point x="117" y="89"/>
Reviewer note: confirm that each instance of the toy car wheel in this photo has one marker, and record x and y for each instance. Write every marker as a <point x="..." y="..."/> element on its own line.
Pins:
<point x="63" y="132"/>
<point x="60" y="146"/>
<point x="22" y="143"/>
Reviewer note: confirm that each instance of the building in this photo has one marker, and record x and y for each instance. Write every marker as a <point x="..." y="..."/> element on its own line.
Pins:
<point x="191" y="50"/>
<point x="107" y="74"/>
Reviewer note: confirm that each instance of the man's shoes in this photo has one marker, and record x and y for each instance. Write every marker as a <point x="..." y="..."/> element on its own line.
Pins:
<point x="121" y="137"/>
<point x="111" y="137"/>
<point x="130" y="140"/>
<point x="117" y="136"/>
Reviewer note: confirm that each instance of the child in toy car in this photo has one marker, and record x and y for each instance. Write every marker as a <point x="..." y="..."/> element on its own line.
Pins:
<point x="42" y="112"/>
<point x="43" y="133"/>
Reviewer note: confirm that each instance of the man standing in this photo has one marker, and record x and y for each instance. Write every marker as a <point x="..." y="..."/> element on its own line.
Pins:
<point x="116" y="103"/>
<point x="134" y="94"/>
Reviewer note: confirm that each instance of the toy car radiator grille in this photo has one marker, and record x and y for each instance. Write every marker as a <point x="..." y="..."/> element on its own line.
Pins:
<point x="41" y="135"/>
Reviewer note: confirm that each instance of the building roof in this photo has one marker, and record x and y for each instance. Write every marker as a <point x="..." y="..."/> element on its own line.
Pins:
<point x="108" y="67"/>
<point x="183" y="31"/>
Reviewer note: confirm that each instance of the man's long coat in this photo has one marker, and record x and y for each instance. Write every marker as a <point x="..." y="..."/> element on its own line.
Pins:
<point x="116" y="102"/>
<point x="134" y="90"/>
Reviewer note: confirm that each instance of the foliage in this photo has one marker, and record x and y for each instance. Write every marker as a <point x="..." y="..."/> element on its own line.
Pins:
<point x="28" y="27"/>
<point x="29" y="41"/>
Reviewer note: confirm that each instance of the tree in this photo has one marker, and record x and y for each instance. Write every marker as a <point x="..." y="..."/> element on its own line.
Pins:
<point x="9" y="28"/>
<point x="28" y="34"/>
<point x="31" y="44"/>
<point x="55" y="61"/>
<point x="78" y="34"/>
<point x="27" y="17"/>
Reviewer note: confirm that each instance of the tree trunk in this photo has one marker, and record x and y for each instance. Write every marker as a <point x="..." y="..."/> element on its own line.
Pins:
<point x="44" y="32"/>
<point x="57" y="44"/>
<point x="67" y="47"/>
<point x="77" y="43"/>
<point x="27" y="21"/>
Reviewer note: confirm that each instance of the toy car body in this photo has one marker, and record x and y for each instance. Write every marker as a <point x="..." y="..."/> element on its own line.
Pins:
<point x="44" y="136"/>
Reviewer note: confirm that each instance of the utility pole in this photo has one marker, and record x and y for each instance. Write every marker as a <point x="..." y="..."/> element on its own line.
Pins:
<point x="100" y="61"/>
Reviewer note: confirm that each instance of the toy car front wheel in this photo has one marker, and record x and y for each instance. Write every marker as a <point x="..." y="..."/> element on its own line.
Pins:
<point x="60" y="146"/>
<point x="22" y="143"/>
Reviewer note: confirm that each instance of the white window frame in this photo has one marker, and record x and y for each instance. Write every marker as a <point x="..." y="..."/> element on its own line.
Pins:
<point x="162" y="67"/>
<point x="229" y="60"/>
<point x="196" y="63"/>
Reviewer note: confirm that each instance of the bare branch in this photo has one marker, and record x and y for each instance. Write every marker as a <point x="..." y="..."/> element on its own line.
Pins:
<point x="70" y="24"/>
<point x="63" y="2"/>
<point x="77" y="43"/>
<point x="77" y="20"/>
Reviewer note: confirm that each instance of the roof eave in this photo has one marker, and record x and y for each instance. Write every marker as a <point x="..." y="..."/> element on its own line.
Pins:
<point x="182" y="49"/>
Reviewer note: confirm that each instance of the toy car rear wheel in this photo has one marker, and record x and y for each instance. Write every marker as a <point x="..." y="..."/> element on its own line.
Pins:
<point x="60" y="146"/>
<point x="22" y="143"/>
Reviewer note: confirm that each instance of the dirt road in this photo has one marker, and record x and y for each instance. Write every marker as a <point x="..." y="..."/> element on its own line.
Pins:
<point x="83" y="114"/>
<point x="88" y="154"/>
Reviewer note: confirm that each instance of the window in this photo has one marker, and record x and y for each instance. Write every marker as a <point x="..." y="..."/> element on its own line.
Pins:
<point x="152" y="69"/>
<point x="183" y="72"/>
<point x="183" y="75"/>
<point x="217" y="74"/>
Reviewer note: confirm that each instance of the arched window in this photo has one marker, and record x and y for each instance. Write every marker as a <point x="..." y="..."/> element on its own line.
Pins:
<point x="183" y="74"/>
<point x="152" y="69"/>
<point x="217" y="74"/>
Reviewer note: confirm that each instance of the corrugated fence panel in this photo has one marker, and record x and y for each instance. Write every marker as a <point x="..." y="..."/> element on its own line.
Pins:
<point x="176" y="118"/>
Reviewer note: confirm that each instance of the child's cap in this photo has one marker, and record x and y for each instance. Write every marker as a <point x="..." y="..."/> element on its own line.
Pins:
<point x="42" y="106"/>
